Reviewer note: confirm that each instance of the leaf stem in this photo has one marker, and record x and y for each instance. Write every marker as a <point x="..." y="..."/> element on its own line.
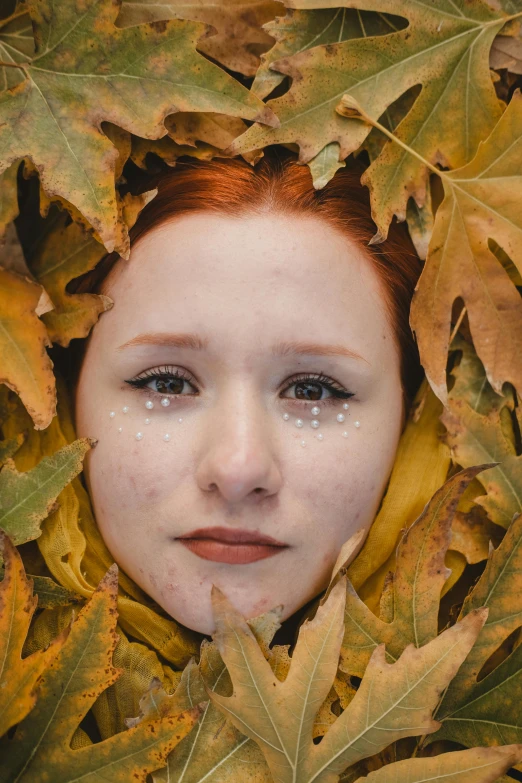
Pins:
<point x="349" y="107"/>
<point x="457" y="325"/>
<point x="12" y="65"/>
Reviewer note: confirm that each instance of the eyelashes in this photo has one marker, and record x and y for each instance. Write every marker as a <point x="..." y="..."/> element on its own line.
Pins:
<point x="166" y="374"/>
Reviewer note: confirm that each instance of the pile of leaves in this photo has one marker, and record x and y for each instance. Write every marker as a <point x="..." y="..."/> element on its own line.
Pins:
<point x="94" y="95"/>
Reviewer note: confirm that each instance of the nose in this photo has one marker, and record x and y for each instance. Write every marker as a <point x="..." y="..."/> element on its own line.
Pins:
<point x="237" y="457"/>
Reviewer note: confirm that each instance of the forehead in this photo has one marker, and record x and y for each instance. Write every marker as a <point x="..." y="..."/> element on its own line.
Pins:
<point x="293" y="264"/>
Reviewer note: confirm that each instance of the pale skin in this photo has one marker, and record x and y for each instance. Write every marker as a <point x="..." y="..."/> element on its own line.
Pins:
<point x="242" y="285"/>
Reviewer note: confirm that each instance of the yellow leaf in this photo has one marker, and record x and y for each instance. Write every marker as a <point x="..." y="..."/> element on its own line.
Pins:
<point x="41" y="747"/>
<point x="18" y="677"/>
<point x="25" y="365"/>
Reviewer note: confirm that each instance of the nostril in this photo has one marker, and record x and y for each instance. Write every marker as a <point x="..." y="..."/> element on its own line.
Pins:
<point x="258" y="489"/>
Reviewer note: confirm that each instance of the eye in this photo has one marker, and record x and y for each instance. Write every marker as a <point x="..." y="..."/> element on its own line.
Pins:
<point x="309" y="388"/>
<point x="163" y="380"/>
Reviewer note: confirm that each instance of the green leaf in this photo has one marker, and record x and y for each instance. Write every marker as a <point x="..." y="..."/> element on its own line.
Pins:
<point x="28" y="498"/>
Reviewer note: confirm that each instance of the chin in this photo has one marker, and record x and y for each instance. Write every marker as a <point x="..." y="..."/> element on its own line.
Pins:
<point x="196" y="614"/>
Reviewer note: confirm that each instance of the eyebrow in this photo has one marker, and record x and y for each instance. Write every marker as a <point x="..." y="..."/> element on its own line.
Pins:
<point x="282" y="348"/>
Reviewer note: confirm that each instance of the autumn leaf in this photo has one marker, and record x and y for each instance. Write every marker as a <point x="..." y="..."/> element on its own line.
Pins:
<point x="86" y="71"/>
<point x="40" y="749"/>
<point x="238" y="38"/>
<point x="214" y="747"/>
<point x="415" y="590"/>
<point x="18" y="677"/>
<point x="393" y="701"/>
<point x="445" y="50"/>
<point x="461" y="766"/>
<point x="479" y="429"/>
<point x="16" y="46"/>
<point x="28" y="498"/>
<point x="299" y="31"/>
<point x="25" y="365"/>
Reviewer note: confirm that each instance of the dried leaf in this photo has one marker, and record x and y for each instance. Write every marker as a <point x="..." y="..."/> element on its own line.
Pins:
<point x="16" y="46"/>
<point x="448" y="53"/>
<point x="25" y="365"/>
<point x="40" y="749"/>
<point x="18" y="677"/>
<point x="481" y="203"/>
<point x="479" y="765"/>
<point x="420" y="574"/>
<point x="86" y="71"/>
<point x="299" y="31"/>
<point x="28" y="498"/>
<point x="393" y="701"/>
<point x="499" y="589"/>
<point x="65" y="253"/>
<point x="238" y="38"/>
<point x="506" y="52"/>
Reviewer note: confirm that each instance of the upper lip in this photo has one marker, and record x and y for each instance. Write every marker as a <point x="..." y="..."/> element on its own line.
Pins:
<point x="233" y="536"/>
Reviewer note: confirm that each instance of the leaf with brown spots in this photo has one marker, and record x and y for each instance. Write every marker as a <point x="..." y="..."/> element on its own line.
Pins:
<point x="25" y="366"/>
<point x="393" y="701"/>
<point x="413" y="598"/>
<point x="445" y="47"/>
<point x="18" y="677"/>
<point x="40" y="749"/>
<point x="238" y="38"/>
<point x="87" y="71"/>
<point x="28" y="498"/>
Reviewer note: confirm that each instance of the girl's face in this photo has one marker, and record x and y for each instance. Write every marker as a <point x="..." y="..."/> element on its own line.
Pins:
<point x="245" y="393"/>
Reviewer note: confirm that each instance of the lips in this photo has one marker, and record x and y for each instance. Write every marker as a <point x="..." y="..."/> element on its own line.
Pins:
<point x="227" y="545"/>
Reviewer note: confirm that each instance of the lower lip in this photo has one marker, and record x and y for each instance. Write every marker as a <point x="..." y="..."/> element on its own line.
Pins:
<point x="235" y="554"/>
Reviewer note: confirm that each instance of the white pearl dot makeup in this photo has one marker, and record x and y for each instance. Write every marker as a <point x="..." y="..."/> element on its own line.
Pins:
<point x="298" y="422"/>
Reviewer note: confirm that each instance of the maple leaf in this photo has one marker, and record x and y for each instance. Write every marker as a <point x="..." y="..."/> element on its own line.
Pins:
<point x="28" y="498"/>
<point x="414" y="592"/>
<point x="462" y="766"/>
<point x="299" y="31"/>
<point x="86" y="71"/>
<point x="214" y="746"/>
<point x="41" y="747"/>
<point x="26" y="366"/>
<point x="393" y="700"/>
<point x="446" y="49"/>
<point x="16" y="46"/>
<point x="238" y="38"/>
<point x="479" y="429"/>
<point x="18" y="677"/>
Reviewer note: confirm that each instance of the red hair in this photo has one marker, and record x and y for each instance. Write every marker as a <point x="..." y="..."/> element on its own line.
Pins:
<point x="278" y="183"/>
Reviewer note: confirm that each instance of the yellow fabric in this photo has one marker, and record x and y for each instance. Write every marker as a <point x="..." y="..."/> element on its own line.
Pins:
<point x="77" y="557"/>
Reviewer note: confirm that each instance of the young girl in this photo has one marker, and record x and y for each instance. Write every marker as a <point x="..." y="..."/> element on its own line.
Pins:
<point x="249" y="386"/>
